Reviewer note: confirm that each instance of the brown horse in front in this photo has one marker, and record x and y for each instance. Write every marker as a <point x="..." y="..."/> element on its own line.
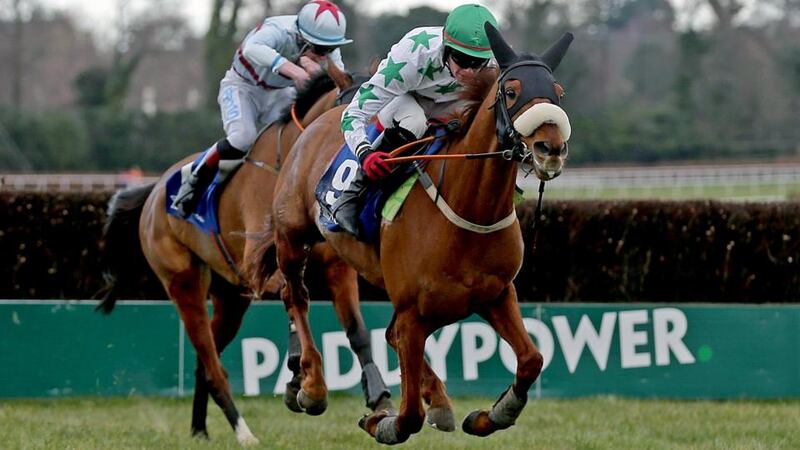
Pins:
<point x="437" y="269"/>
<point x="191" y="264"/>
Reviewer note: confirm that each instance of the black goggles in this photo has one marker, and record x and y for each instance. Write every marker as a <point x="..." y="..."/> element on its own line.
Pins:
<point x="468" y="62"/>
<point x="321" y="50"/>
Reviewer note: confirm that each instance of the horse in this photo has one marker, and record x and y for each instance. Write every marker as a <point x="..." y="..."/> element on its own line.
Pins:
<point x="191" y="264"/>
<point x="438" y="267"/>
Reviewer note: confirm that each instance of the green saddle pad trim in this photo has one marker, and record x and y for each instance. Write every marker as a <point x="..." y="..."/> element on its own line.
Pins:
<point x="396" y="200"/>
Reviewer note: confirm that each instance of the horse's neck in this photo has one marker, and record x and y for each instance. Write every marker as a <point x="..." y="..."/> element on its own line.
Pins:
<point x="287" y="133"/>
<point x="480" y="190"/>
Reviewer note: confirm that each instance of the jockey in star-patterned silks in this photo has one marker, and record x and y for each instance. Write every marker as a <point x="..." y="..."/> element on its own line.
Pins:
<point x="419" y="79"/>
<point x="282" y="53"/>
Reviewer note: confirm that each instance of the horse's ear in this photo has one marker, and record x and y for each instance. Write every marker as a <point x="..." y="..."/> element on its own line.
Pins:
<point x="552" y="56"/>
<point x="503" y="52"/>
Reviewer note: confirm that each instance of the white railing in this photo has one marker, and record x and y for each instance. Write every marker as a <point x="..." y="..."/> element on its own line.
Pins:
<point x="766" y="181"/>
<point x="94" y="182"/>
<point x="729" y="178"/>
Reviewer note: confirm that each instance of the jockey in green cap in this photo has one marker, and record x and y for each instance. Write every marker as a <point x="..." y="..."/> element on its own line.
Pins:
<point x="420" y="78"/>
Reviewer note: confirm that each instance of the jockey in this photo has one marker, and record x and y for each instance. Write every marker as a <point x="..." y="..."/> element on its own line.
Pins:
<point x="421" y="77"/>
<point x="279" y="55"/>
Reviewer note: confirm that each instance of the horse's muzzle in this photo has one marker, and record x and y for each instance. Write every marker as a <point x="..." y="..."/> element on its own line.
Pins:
<point x="544" y="162"/>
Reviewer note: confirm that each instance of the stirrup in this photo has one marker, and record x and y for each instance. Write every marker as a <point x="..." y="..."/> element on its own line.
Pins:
<point x="185" y="197"/>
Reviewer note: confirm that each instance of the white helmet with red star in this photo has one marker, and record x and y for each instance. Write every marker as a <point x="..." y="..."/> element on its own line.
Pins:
<point x="322" y="23"/>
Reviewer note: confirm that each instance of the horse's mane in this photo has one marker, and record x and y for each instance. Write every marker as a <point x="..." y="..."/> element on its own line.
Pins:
<point x="308" y="95"/>
<point x="474" y="93"/>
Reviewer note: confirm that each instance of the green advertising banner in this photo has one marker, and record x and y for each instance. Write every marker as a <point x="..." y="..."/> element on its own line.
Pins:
<point x="64" y="348"/>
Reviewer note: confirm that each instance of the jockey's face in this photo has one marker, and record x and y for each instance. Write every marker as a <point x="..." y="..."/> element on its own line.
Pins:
<point x="321" y="50"/>
<point x="464" y="67"/>
<point x="314" y="50"/>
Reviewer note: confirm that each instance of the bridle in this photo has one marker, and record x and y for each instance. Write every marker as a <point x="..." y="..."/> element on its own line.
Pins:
<point x="511" y="145"/>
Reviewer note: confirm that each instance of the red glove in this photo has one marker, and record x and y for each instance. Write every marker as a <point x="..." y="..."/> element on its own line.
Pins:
<point x="375" y="165"/>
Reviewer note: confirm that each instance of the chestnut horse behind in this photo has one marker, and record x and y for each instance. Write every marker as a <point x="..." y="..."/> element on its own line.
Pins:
<point x="192" y="264"/>
<point x="438" y="269"/>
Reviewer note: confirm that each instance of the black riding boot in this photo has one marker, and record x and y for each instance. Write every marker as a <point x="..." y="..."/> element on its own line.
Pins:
<point x="188" y="196"/>
<point x="349" y="204"/>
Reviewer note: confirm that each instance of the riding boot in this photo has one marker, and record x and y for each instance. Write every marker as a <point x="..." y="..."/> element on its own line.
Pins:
<point x="348" y="204"/>
<point x="189" y="194"/>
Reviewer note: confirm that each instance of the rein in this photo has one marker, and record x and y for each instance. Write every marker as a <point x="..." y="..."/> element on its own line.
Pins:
<point x="505" y="154"/>
<point x="276" y="168"/>
<point x="514" y="149"/>
<point x="296" y="120"/>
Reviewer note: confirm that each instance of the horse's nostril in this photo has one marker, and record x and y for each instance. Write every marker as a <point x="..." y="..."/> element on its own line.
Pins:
<point x="541" y="147"/>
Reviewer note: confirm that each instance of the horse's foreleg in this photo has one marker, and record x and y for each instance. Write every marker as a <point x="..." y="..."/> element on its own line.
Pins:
<point x="293" y="363"/>
<point x="505" y="317"/>
<point x="229" y="309"/>
<point x="410" y="341"/>
<point x="292" y="255"/>
<point x="440" y="411"/>
<point x="200" y="402"/>
<point x="343" y="283"/>
<point x="189" y="290"/>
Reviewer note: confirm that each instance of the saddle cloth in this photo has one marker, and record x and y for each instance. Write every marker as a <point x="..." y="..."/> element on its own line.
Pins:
<point x="341" y="172"/>
<point x="205" y="215"/>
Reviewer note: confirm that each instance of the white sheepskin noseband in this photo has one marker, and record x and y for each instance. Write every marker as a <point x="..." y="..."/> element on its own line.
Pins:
<point x="542" y="113"/>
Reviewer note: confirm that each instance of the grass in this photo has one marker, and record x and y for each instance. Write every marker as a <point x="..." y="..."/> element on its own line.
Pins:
<point x="593" y="423"/>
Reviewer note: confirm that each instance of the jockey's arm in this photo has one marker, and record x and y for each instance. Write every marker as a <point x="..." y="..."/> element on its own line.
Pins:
<point x="260" y="49"/>
<point x="397" y="74"/>
<point x="336" y="58"/>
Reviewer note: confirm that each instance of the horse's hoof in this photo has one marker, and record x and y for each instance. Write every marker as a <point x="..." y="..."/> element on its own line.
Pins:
<point x="248" y="441"/>
<point x="369" y="422"/>
<point x="385" y="404"/>
<point x="200" y="434"/>
<point x="441" y="419"/>
<point x="290" y="397"/>
<point x="477" y="423"/>
<point x="244" y="435"/>
<point x="386" y="432"/>
<point x="310" y="406"/>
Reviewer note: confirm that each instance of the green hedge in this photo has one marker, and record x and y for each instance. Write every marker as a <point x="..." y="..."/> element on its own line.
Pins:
<point x="597" y="251"/>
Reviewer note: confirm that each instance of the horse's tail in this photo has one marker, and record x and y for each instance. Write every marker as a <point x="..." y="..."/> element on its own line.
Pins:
<point x="259" y="266"/>
<point x="122" y="253"/>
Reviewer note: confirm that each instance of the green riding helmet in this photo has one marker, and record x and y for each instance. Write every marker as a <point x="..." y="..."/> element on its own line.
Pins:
<point x="463" y="30"/>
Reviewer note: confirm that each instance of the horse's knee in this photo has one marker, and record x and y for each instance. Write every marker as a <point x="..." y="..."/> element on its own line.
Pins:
<point x="530" y="365"/>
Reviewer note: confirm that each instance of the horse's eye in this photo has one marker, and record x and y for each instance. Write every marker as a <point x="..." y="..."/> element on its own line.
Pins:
<point x="510" y="93"/>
